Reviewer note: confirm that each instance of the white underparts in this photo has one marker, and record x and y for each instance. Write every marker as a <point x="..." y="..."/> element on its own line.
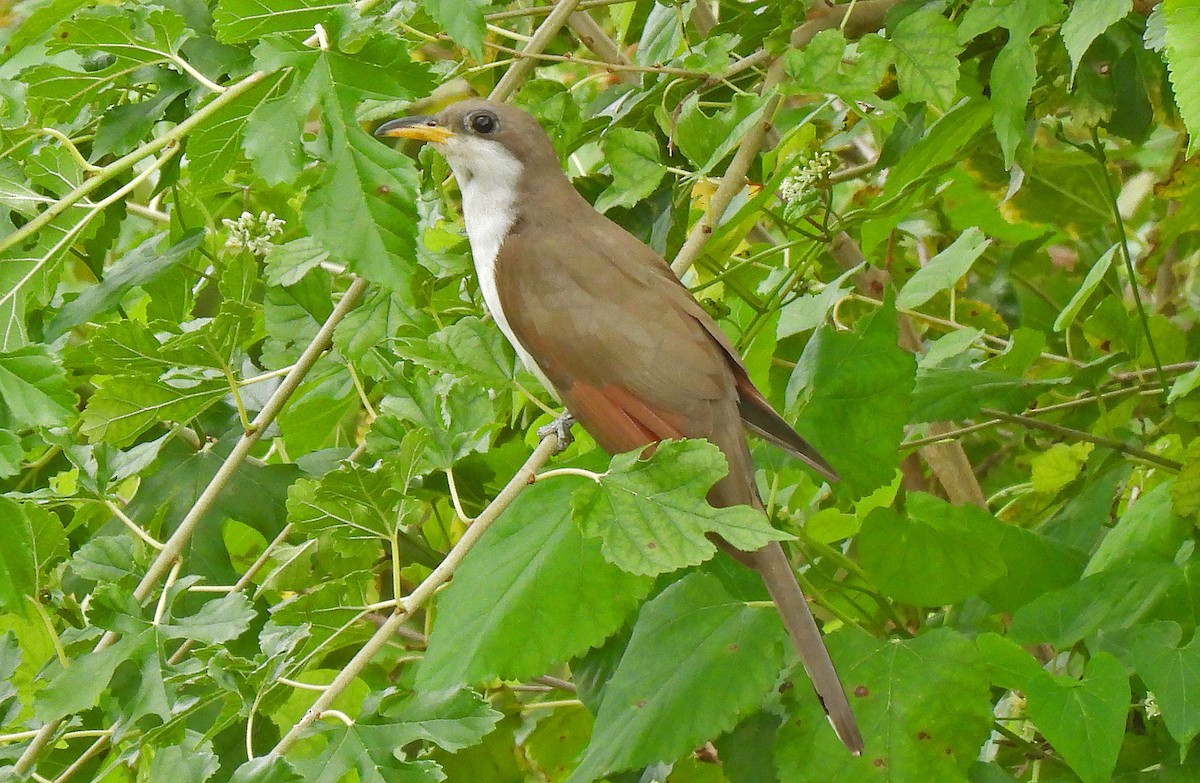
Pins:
<point x="487" y="175"/>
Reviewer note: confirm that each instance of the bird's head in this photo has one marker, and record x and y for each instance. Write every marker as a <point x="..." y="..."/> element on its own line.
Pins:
<point x="479" y="138"/>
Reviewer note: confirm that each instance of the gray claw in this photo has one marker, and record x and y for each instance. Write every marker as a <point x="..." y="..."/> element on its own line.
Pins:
<point x="562" y="428"/>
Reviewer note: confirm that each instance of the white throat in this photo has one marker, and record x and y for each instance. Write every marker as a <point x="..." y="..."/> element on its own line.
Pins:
<point x="487" y="175"/>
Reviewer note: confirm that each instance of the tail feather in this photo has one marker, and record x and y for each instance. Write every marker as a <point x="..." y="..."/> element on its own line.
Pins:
<point x="772" y="564"/>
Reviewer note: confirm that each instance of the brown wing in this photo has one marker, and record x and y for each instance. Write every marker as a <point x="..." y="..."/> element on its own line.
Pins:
<point x="622" y="342"/>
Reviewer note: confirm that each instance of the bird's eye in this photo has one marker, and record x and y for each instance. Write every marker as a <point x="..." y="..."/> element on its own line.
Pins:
<point x="483" y="122"/>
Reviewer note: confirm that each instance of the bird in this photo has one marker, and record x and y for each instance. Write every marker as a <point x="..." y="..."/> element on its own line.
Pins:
<point x="600" y="318"/>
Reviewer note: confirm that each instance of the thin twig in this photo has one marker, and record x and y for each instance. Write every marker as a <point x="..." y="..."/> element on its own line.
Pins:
<point x="1074" y="434"/>
<point x="524" y="65"/>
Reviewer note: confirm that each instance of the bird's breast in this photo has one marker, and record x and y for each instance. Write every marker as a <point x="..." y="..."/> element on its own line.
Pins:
<point x="490" y="212"/>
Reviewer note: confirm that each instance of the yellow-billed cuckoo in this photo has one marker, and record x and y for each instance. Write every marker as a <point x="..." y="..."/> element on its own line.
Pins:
<point x="601" y="319"/>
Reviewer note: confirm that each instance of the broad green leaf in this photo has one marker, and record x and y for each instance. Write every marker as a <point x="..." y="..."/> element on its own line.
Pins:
<point x="1148" y="531"/>
<point x="1185" y="492"/>
<point x="1111" y="600"/>
<point x="699" y="659"/>
<point x="452" y="720"/>
<point x="927" y="58"/>
<point x="1090" y="283"/>
<point x="1058" y="466"/>
<point x="363" y="210"/>
<point x="1088" y="19"/>
<point x="467" y="348"/>
<point x="935" y="554"/>
<point x="634" y="160"/>
<point x="104" y="559"/>
<point x="533" y="563"/>
<point x="79" y="686"/>
<point x="34" y="390"/>
<point x="141" y="264"/>
<point x="948" y="346"/>
<point x="11" y="454"/>
<point x="181" y="764"/>
<point x="810" y="311"/>
<point x="131" y="36"/>
<point x="1035" y="565"/>
<point x="1182" y="19"/>
<point x="706" y="140"/>
<point x="219" y="620"/>
<point x="35" y="539"/>
<point x="943" y="270"/>
<point x="348" y="750"/>
<point x="1172" y="673"/>
<point x="215" y="146"/>
<point x="268" y="769"/>
<point x="457" y="416"/>
<point x="1019" y="16"/>
<point x="288" y="263"/>
<point x="462" y="20"/>
<point x="652" y="516"/>
<point x="1083" y="719"/>
<point x="247" y="20"/>
<point x="1013" y="75"/>
<point x="948" y="394"/>
<point x="924" y="706"/>
<point x="124" y="126"/>
<point x="853" y="392"/>
<point x="123" y="408"/>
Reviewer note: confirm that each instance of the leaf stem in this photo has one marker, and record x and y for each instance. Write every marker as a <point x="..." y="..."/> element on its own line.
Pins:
<point x="1102" y="160"/>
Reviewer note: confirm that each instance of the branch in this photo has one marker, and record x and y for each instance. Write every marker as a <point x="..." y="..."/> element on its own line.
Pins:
<point x="424" y="591"/>
<point x="541" y="39"/>
<point x="1099" y="440"/>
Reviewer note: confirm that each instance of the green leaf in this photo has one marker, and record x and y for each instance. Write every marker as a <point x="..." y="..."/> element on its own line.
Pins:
<point x="1185" y="492"/>
<point x="949" y="394"/>
<point x="1172" y="673"/>
<point x="124" y="408"/>
<point x="215" y="146"/>
<point x="924" y="706"/>
<point x="246" y="20"/>
<point x="943" y="270"/>
<point x="457" y="416"/>
<point x="1182" y="19"/>
<point x="1083" y="719"/>
<point x="1058" y="466"/>
<point x="131" y="36"/>
<point x="11" y="454"/>
<point x="927" y="58"/>
<point x="1087" y="20"/>
<point x="1111" y="600"/>
<point x="853" y="390"/>
<point x="534" y="562"/>
<point x="810" y="311"/>
<point x="140" y="265"/>
<point x="707" y="140"/>
<point x="452" y="720"/>
<point x="268" y="769"/>
<point x="1091" y="282"/>
<point x="1148" y="531"/>
<point x="699" y="659"/>
<point x="462" y="20"/>
<point x="363" y="209"/>
<point x="935" y="554"/>
<point x="633" y="157"/>
<point x="467" y="348"/>
<point x="219" y="620"/>
<point x="652" y="515"/>
<point x="348" y="750"/>
<point x="87" y="677"/>
<point x="34" y="390"/>
<point x="1013" y="75"/>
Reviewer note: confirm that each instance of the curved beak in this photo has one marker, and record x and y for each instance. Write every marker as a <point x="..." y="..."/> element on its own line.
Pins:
<point x="421" y="128"/>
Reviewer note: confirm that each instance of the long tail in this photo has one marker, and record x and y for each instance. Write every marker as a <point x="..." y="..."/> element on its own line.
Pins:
<point x="772" y="564"/>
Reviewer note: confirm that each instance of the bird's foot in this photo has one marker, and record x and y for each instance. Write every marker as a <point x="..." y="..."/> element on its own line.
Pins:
<point x="562" y="428"/>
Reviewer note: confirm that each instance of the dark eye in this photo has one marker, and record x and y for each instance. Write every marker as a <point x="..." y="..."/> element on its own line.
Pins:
<point x="483" y="122"/>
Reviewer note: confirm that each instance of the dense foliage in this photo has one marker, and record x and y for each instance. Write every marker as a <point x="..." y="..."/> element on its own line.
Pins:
<point x="251" y="398"/>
